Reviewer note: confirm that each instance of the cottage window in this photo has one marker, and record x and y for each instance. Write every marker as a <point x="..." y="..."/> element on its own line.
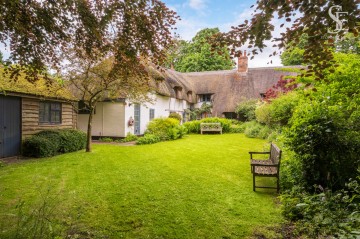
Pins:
<point x="50" y="113"/>
<point x="152" y="114"/>
<point x="205" y="98"/>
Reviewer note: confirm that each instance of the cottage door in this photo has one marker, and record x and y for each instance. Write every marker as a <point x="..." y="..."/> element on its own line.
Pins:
<point x="136" y="119"/>
<point x="10" y="126"/>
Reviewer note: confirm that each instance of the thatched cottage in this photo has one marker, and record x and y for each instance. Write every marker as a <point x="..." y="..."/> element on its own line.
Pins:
<point x="177" y="92"/>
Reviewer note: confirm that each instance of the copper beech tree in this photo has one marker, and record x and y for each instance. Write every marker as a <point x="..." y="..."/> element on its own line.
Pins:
<point x="323" y="21"/>
<point x="38" y="32"/>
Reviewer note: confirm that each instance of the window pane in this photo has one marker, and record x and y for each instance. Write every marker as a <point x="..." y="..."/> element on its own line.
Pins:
<point x="50" y="112"/>
<point x="55" y="106"/>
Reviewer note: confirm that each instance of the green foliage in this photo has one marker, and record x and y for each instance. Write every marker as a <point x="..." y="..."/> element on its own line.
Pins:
<point x="348" y="44"/>
<point x="166" y="129"/>
<point x="106" y="139"/>
<point x="197" y="113"/>
<point x="175" y="116"/>
<point x="253" y="129"/>
<point x="48" y="143"/>
<point x="71" y="140"/>
<point x="197" y="55"/>
<point x="236" y="128"/>
<point x="39" y="147"/>
<point x="246" y="110"/>
<point x="279" y="111"/>
<point x="148" y="139"/>
<point x="129" y="137"/>
<point x="194" y="126"/>
<point x="324" y="213"/>
<point x="324" y="131"/>
<point x="292" y="57"/>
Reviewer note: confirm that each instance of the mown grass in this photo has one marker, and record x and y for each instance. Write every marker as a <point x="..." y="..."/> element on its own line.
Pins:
<point x="196" y="187"/>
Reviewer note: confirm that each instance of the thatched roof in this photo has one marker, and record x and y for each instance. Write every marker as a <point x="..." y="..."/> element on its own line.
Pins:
<point x="228" y="88"/>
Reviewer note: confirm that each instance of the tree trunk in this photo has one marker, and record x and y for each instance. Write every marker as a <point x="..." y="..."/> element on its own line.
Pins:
<point x="88" y="142"/>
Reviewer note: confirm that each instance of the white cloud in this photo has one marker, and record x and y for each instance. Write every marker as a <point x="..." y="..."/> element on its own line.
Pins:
<point x="187" y="28"/>
<point x="5" y="50"/>
<point x="262" y="59"/>
<point x="197" y="4"/>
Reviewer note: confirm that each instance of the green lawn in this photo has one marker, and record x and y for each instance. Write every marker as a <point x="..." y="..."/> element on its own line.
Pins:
<point x="196" y="187"/>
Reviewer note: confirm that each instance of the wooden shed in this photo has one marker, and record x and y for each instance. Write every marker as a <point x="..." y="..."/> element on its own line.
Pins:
<point x="22" y="115"/>
<point x="29" y="107"/>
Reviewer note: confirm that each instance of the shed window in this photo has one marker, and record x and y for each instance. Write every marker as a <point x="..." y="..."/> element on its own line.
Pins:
<point x="50" y="113"/>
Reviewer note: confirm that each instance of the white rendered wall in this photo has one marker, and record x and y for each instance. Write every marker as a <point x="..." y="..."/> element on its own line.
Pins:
<point x="162" y="105"/>
<point x="108" y="120"/>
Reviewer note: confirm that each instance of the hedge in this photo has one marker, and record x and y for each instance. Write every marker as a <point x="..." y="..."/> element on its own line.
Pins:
<point x="48" y="143"/>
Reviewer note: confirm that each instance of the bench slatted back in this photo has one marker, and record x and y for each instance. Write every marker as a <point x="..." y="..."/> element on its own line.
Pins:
<point x="275" y="154"/>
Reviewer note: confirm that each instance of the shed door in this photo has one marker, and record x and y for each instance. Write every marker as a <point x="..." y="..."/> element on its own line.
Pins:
<point x="10" y="126"/>
<point x="136" y="119"/>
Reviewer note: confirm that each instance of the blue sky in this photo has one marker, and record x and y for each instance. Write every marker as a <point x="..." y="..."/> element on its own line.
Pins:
<point x="198" y="14"/>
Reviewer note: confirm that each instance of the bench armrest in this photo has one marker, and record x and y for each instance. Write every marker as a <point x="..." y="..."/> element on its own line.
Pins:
<point x="251" y="153"/>
<point x="259" y="152"/>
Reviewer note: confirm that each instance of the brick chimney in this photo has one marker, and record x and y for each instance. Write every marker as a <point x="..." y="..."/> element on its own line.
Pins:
<point x="243" y="62"/>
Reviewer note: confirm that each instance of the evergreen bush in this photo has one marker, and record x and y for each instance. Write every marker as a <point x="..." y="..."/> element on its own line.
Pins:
<point x="48" y="143"/>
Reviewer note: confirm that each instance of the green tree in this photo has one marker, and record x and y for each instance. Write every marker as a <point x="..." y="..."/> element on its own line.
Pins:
<point x="105" y="79"/>
<point x="349" y="44"/>
<point x="292" y="57"/>
<point x="294" y="52"/>
<point x="198" y="55"/>
<point x="1" y="57"/>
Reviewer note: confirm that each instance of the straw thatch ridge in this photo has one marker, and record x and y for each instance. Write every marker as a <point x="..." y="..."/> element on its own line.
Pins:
<point x="228" y="88"/>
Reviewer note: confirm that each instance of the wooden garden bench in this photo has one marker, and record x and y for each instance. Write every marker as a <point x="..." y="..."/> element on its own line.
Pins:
<point x="210" y="127"/>
<point x="269" y="167"/>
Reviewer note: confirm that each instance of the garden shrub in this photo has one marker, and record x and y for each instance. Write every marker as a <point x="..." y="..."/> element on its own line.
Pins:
<point x="325" y="214"/>
<point x="279" y="111"/>
<point x="193" y="126"/>
<point x="262" y="113"/>
<point x="323" y="138"/>
<point x="264" y="132"/>
<point x="175" y="116"/>
<point x="52" y="135"/>
<point x="148" y="139"/>
<point x="246" y="110"/>
<point x="235" y="128"/>
<point x="129" y="137"/>
<point x="39" y="147"/>
<point x="48" y="143"/>
<point x="166" y="129"/>
<point x="71" y="140"/>
<point x="253" y="129"/>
